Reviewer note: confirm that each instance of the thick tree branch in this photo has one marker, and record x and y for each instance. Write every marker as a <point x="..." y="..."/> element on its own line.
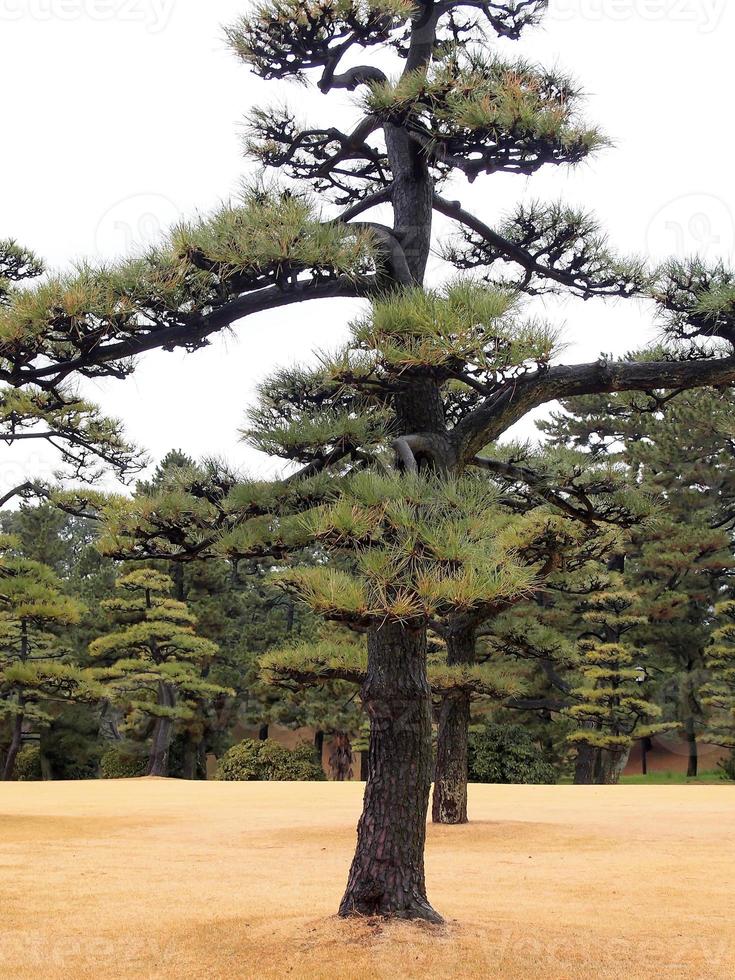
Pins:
<point x="515" y="399"/>
<point x="197" y="330"/>
<point x="371" y="201"/>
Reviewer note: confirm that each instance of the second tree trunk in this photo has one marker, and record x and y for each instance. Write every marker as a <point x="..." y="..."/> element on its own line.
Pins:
<point x="449" y="803"/>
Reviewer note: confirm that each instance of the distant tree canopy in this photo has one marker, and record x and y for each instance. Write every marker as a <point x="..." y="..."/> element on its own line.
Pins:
<point x="37" y="670"/>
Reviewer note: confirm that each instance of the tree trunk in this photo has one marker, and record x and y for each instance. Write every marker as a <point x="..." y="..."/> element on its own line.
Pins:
<point x="340" y="759"/>
<point x="645" y="748"/>
<point x="449" y="803"/>
<point x="15" y="744"/>
<point x="586" y="765"/>
<point x="162" y="733"/>
<point x="613" y="761"/>
<point x="191" y="766"/>
<point x="387" y="873"/>
<point x="692" y="752"/>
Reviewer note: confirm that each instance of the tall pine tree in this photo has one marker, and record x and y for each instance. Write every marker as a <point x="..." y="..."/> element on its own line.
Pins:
<point x="454" y="369"/>
<point x="37" y="669"/>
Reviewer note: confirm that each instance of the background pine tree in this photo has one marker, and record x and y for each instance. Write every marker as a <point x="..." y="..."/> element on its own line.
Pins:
<point x="155" y="663"/>
<point x="37" y="671"/>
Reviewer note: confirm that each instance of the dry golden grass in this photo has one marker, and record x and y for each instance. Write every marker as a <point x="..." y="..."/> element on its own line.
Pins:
<point x="158" y="878"/>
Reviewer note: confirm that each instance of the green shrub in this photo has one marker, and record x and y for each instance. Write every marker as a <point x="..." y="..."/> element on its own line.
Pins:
<point x="267" y="760"/>
<point x="727" y="766"/>
<point x="507" y="754"/>
<point x="122" y="762"/>
<point x="28" y="764"/>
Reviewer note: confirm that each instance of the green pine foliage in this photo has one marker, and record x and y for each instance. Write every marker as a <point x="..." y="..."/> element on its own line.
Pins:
<point x="611" y="708"/>
<point x="507" y="754"/>
<point x="678" y="447"/>
<point x="268" y="760"/>
<point x="719" y="693"/>
<point x="37" y="669"/>
<point x="421" y="548"/>
<point x="154" y="664"/>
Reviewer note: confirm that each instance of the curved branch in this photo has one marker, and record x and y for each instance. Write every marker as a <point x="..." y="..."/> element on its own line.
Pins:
<point x="199" y="329"/>
<point x="371" y="201"/>
<point x="350" y="79"/>
<point x="514" y="399"/>
<point x="455" y="211"/>
<point x="537" y="484"/>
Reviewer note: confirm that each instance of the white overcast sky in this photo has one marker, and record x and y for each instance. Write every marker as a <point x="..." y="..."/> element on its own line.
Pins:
<point x="120" y="116"/>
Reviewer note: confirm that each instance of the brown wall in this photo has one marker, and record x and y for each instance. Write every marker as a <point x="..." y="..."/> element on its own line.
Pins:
<point x="670" y="754"/>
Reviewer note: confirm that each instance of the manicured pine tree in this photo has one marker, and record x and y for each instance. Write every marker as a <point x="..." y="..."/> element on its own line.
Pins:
<point x="611" y="709"/>
<point x="37" y="671"/>
<point x="719" y="694"/>
<point x="455" y="108"/>
<point x="154" y="663"/>
<point x="679" y="449"/>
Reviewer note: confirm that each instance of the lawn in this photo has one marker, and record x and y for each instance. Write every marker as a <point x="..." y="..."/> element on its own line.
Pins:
<point x="158" y="878"/>
<point x="673" y="778"/>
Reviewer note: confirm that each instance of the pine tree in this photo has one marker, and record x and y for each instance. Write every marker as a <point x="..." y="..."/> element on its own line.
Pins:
<point x="452" y="369"/>
<point x="719" y="693"/>
<point x="611" y="710"/>
<point x="37" y="671"/>
<point x="155" y="661"/>
<point x="679" y="448"/>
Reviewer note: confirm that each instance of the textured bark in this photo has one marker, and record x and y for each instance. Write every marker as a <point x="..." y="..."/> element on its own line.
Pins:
<point x="497" y="414"/>
<point x="15" y="744"/>
<point x="612" y="765"/>
<point x="387" y="873"/>
<point x="412" y="194"/>
<point x="108" y="729"/>
<point x="586" y="765"/>
<point x="193" y="765"/>
<point x="162" y="734"/>
<point x="449" y="802"/>
<point x="340" y="759"/>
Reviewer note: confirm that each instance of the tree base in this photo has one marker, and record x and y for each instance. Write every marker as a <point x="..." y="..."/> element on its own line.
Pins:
<point x="416" y="910"/>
